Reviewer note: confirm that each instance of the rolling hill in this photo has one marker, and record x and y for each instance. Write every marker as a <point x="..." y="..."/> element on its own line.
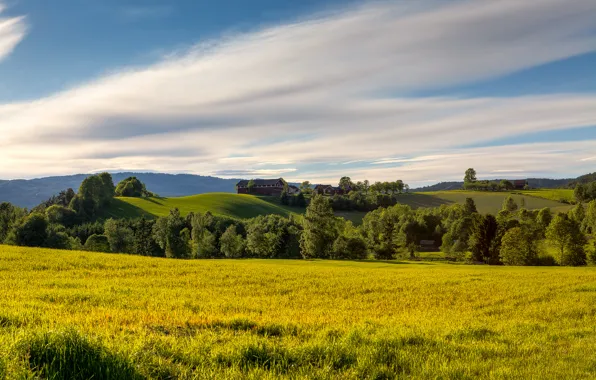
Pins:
<point x="486" y="202"/>
<point x="30" y="193"/>
<point x="238" y="206"/>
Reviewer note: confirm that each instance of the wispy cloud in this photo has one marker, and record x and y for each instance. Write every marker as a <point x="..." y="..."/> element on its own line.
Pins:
<point x="12" y="31"/>
<point x="309" y="93"/>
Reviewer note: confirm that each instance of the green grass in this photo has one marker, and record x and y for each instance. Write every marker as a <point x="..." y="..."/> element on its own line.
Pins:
<point x="486" y="202"/>
<point x="559" y="195"/>
<point x="238" y="206"/>
<point x="66" y="314"/>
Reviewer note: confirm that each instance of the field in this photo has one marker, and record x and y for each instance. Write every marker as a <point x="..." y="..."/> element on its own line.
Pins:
<point x="486" y="202"/>
<point x="225" y="204"/>
<point x="64" y="313"/>
<point x="559" y="195"/>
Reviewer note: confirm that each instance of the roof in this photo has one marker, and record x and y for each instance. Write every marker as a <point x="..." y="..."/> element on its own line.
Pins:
<point x="259" y="182"/>
<point x="294" y="187"/>
<point x="519" y="182"/>
<point x="322" y="186"/>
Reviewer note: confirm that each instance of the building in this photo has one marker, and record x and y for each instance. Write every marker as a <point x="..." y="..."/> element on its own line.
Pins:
<point x="262" y="186"/>
<point x="519" y="184"/>
<point x="293" y="190"/>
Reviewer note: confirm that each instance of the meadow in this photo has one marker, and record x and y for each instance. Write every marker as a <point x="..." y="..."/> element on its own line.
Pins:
<point x="486" y="202"/>
<point x="68" y="314"/>
<point x="239" y="206"/>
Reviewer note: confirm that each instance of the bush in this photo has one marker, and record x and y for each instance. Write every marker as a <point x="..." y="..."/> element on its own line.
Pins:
<point x="97" y="243"/>
<point x="353" y="248"/>
<point x="518" y="248"/>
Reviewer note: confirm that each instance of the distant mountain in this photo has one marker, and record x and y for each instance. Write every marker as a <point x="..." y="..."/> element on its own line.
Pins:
<point x="537" y="183"/>
<point x="30" y="193"/>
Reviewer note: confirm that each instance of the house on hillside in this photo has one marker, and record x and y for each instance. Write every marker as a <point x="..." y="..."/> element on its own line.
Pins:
<point x="261" y="186"/>
<point x="293" y="190"/>
<point x="519" y="184"/>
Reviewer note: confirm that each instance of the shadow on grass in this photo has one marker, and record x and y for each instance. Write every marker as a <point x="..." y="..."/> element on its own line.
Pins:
<point x="120" y="209"/>
<point x="154" y="200"/>
<point x="423" y="200"/>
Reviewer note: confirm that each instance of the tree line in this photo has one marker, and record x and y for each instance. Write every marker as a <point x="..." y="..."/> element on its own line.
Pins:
<point x="515" y="236"/>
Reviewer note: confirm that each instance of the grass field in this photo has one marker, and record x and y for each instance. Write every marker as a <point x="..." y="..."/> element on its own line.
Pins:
<point x="64" y="313"/>
<point x="559" y="195"/>
<point x="226" y="204"/>
<point x="486" y="202"/>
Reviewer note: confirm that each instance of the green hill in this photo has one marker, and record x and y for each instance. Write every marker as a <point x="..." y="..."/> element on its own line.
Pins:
<point x="486" y="202"/>
<point x="225" y="204"/>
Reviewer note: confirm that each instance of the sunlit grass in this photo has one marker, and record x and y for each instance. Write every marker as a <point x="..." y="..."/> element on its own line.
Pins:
<point x="164" y="318"/>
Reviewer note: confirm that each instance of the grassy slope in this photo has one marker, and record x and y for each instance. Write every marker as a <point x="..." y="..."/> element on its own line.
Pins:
<point x="298" y="319"/>
<point x="226" y="204"/>
<point x="486" y="202"/>
<point x="565" y="195"/>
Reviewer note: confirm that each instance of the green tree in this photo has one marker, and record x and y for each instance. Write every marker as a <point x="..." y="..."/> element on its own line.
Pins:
<point x="231" y="244"/>
<point x="345" y="183"/>
<point x="470" y="207"/>
<point x="30" y="231"/>
<point x="284" y="198"/>
<point x="579" y="193"/>
<point x="578" y="213"/>
<point x="470" y="176"/>
<point x="9" y="215"/>
<point x="320" y="229"/>
<point x="300" y="200"/>
<point x="132" y="187"/>
<point x="120" y="237"/>
<point x="305" y="187"/>
<point x="250" y="186"/>
<point x="482" y="240"/>
<point x="506" y="185"/>
<point x="509" y="204"/>
<point x="518" y="248"/>
<point x="167" y="233"/>
<point x="106" y="193"/>
<point x="97" y="243"/>
<point x="565" y="235"/>
<point x="61" y="215"/>
<point x="349" y="244"/>
<point x="143" y="242"/>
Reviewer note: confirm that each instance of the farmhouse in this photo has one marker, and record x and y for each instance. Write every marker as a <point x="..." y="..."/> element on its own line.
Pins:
<point x="261" y="186"/>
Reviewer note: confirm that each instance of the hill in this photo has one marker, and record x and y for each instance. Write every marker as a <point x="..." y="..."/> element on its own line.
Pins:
<point x="30" y="193"/>
<point x="139" y="317"/>
<point x="231" y="205"/>
<point x="535" y="183"/>
<point x="486" y="202"/>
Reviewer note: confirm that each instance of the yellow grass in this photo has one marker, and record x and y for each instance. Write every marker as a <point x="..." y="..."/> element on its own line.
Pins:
<point x="164" y="318"/>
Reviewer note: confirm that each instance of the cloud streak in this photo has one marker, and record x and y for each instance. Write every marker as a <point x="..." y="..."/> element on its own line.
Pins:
<point x="331" y="89"/>
<point x="12" y="31"/>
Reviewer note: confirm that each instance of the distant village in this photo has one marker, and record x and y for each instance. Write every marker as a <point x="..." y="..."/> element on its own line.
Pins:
<point x="276" y="187"/>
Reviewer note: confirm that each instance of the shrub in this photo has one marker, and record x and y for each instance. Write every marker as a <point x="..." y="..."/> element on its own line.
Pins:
<point x="97" y="243"/>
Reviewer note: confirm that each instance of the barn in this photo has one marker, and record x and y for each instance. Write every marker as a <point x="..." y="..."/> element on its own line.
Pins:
<point x="261" y="186"/>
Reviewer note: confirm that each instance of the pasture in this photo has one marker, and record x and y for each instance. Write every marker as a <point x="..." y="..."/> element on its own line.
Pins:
<point x="486" y="202"/>
<point x="64" y="313"/>
<point x="238" y="206"/>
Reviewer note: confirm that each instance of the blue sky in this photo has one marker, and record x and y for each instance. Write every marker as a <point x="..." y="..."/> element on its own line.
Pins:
<point x="308" y="90"/>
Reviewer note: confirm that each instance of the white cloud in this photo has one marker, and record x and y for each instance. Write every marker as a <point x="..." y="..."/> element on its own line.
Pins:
<point x="290" y="97"/>
<point x="12" y="31"/>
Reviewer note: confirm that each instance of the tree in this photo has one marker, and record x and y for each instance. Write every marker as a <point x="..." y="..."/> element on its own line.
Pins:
<point x="482" y="240"/>
<point x="107" y="189"/>
<point x="578" y="213"/>
<point x="97" y="243"/>
<point x="61" y="215"/>
<point x="143" y="242"/>
<point x="518" y="248"/>
<point x="470" y="207"/>
<point x="9" y="214"/>
<point x="167" y="233"/>
<point x="365" y="186"/>
<point x="320" y="229"/>
<point x="509" y="204"/>
<point x="30" y="231"/>
<point x="346" y="184"/>
<point x="232" y="244"/>
<point x="349" y="244"/>
<point x="470" y="176"/>
<point x="284" y="198"/>
<point x="579" y="193"/>
<point x="132" y="187"/>
<point x="565" y="235"/>
<point x="305" y="187"/>
<point x="300" y="200"/>
<point x="119" y="236"/>
<point x="250" y="186"/>
<point x="506" y="185"/>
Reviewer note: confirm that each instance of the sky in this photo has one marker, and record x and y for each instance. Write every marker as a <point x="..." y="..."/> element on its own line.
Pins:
<point x="306" y="90"/>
